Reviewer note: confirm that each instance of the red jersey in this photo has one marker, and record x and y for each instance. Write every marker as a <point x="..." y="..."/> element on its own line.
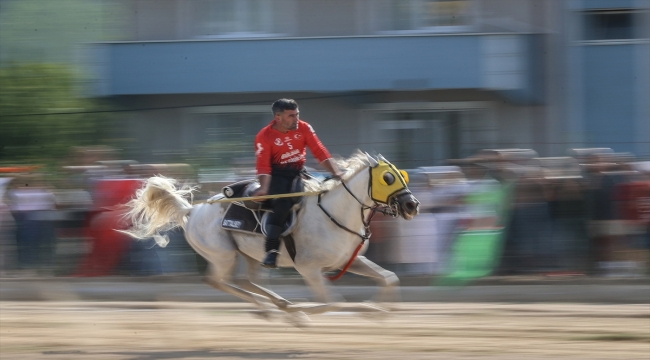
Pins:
<point x="287" y="151"/>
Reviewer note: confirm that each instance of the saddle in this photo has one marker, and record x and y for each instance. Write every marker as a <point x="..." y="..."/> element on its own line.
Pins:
<point x="251" y="216"/>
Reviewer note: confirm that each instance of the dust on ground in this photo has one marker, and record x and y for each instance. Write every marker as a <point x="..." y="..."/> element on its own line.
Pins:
<point x="170" y="330"/>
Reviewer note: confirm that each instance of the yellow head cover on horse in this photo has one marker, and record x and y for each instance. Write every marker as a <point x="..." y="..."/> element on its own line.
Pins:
<point x="386" y="180"/>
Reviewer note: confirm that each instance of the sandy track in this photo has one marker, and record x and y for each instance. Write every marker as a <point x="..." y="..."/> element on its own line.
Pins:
<point x="169" y="330"/>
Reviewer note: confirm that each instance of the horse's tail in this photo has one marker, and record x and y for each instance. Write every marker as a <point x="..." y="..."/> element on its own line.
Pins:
<point x="158" y="206"/>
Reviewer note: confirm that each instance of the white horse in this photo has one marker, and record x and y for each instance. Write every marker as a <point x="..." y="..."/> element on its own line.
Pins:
<point x="330" y="230"/>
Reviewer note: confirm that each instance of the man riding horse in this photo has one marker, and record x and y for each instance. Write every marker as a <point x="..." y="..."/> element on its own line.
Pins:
<point x="280" y="148"/>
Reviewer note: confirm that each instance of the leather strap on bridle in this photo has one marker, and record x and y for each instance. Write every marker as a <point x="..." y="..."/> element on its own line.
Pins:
<point x="366" y="226"/>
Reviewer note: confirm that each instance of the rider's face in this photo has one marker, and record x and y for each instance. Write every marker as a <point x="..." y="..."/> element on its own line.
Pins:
<point x="287" y="120"/>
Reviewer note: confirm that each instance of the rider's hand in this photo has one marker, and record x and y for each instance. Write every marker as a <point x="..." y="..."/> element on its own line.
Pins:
<point x="336" y="176"/>
<point x="265" y="183"/>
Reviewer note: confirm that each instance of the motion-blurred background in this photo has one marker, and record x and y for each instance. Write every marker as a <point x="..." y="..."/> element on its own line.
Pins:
<point x="525" y="124"/>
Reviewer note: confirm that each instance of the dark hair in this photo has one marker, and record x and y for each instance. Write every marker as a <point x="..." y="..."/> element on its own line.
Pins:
<point x="284" y="104"/>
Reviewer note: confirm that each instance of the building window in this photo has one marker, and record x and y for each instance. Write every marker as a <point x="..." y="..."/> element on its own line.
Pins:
<point x="428" y="15"/>
<point x="427" y="138"/>
<point x="610" y="24"/>
<point x="222" y="139"/>
<point x="235" y="18"/>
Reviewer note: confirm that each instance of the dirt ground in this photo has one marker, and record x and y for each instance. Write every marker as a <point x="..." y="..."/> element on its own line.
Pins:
<point x="170" y="330"/>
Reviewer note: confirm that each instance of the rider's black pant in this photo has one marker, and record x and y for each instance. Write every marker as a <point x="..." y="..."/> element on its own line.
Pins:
<point x="280" y="184"/>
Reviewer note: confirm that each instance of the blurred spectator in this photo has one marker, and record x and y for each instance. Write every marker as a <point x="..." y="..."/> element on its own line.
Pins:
<point x="108" y="246"/>
<point x="415" y="247"/>
<point x="567" y="209"/>
<point x="633" y="204"/>
<point x="111" y="183"/>
<point x="385" y="233"/>
<point x="445" y="201"/>
<point x="32" y="204"/>
<point x="7" y="232"/>
<point x="607" y="227"/>
<point x="478" y="245"/>
<point x="85" y="164"/>
<point x="641" y="208"/>
<point x="480" y="202"/>
<point x="563" y="181"/>
<point x="529" y="244"/>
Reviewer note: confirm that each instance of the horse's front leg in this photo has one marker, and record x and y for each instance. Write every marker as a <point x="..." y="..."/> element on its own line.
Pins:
<point x="319" y="286"/>
<point x="388" y="281"/>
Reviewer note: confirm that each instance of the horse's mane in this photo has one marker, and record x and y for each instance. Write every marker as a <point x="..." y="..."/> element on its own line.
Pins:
<point x="352" y="165"/>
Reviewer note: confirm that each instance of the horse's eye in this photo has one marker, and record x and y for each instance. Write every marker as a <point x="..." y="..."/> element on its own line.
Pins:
<point x="389" y="178"/>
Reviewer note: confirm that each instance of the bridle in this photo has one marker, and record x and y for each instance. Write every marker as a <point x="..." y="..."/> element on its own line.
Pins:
<point x="391" y="209"/>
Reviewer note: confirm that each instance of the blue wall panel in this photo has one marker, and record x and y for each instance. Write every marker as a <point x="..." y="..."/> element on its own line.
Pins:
<point x="609" y="96"/>
<point x="316" y="64"/>
<point x="607" y="4"/>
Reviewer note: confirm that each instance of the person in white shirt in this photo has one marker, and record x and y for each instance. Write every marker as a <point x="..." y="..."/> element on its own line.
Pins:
<point x="31" y="205"/>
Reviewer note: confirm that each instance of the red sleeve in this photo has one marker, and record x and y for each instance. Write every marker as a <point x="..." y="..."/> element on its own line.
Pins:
<point x="317" y="148"/>
<point x="262" y="154"/>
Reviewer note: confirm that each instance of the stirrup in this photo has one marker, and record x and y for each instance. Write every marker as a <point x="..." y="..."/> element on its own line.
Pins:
<point x="270" y="259"/>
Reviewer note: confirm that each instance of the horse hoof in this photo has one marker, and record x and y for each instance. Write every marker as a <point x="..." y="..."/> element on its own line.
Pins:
<point x="373" y="307"/>
<point x="299" y="319"/>
<point x="262" y="314"/>
<point x="374" y="312"/>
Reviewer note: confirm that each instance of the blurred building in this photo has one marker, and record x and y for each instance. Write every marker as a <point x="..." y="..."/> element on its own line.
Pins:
<point x="417" y="80"/>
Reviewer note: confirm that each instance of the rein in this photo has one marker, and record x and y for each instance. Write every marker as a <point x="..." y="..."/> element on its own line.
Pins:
<point x="366" y="225"/>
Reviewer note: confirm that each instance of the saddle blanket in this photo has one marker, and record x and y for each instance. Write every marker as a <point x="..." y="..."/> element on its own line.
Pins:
<point x="239" y="218"/>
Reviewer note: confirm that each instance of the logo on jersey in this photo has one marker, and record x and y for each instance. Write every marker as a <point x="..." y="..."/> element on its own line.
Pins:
<point x="259" y="149"/>
<point x="297" y="136"/>
<point x="278" y="142"/>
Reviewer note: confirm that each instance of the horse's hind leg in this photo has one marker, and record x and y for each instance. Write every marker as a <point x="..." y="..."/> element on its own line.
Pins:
<point x="253" y="278"/>
<point x="219" y="249"/>
<point x="388" y="281"/>
<point x="219" y="279"/>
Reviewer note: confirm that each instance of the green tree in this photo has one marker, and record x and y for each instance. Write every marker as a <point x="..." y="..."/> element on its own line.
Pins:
<point x="42" y="116"/>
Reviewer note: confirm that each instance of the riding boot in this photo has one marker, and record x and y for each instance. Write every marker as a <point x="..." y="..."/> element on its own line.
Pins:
<point x="272" y="246"/>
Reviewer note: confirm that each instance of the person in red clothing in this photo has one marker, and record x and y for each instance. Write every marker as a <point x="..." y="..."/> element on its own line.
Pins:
<point x="280" y="148"/>
<point x="108" y="245"/>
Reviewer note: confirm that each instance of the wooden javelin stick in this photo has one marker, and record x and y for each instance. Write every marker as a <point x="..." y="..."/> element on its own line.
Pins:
<point x="265" y="197"/>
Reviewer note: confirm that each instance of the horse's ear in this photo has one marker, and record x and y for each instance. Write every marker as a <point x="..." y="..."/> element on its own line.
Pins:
<point x="382" y="158"/>
<point x="372" y="160"/>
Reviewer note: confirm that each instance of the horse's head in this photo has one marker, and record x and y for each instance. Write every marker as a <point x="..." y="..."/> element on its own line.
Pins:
<point x="389" y="185"/>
